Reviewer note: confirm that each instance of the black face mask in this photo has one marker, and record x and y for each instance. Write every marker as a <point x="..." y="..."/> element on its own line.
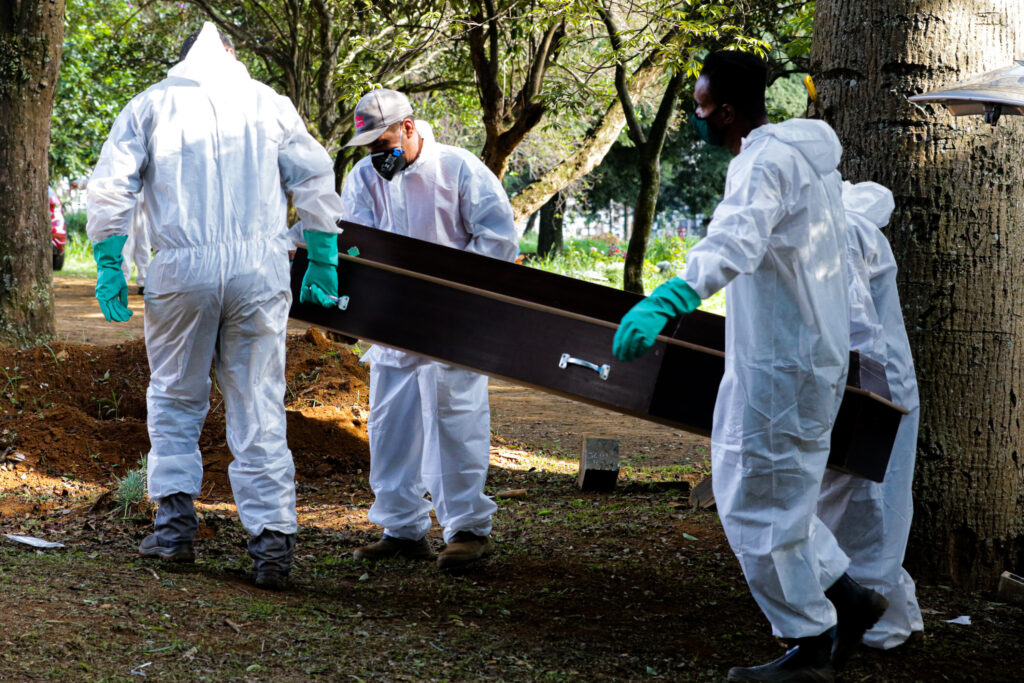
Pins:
<point x="388" y="163"/>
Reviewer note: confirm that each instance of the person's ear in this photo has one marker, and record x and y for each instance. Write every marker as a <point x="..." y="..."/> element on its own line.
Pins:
<point x="728" y="114"/>
<point x="409" y="126"/>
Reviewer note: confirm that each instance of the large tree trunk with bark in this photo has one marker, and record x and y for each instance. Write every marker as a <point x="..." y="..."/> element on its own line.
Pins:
<point x="958" y="239"/>
<point x="31" y="35"/>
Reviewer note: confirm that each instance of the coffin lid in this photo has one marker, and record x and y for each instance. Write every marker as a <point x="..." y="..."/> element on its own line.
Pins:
<point x="1003" y="87"/>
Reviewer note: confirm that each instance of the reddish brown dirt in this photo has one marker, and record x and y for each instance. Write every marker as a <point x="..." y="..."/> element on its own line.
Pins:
<point x="80" y="410"/>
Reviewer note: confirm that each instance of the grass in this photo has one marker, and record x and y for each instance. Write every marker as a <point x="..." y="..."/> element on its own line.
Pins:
<point x="130" y="491"/>
<point x="632" y="585"/>
<point x="78" y="259"/>
<point x="601" y="260"/>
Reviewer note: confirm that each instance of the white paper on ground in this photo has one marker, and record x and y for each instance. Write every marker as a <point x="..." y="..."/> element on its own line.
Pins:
<point x="34" y="542"/>
<point x="963" y="621"/>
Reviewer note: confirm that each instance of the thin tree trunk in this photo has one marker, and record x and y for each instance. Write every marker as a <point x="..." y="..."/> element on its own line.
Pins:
<point x="643" y="215"/>
<point x="31" y="35"/>
<point x="649" y="170"/>
<point x="549" y="235"/>
<point x="957" y="239"/>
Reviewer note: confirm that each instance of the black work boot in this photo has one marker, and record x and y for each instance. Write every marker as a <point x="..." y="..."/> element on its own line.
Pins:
<point x="392" y="546"/>
<point x="857" y="609"/>
<point x="174" y="528"/>
<point x="272" y="553"/>
<point x="807" y="660"/>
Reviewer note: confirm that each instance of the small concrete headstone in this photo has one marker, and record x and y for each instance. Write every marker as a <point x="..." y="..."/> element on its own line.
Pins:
<point x="599" y="463"/>
<point x="702" y="496"/>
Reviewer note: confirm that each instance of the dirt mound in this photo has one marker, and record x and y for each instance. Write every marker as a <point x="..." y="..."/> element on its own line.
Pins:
<point x="80" y="410"/>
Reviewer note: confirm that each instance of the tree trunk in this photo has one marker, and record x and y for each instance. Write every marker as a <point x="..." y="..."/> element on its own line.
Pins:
<point x="957" y="239"/>
<point x="549" y="235"/>
<point x="31" y="35"/>
<point x="643" y="216"/>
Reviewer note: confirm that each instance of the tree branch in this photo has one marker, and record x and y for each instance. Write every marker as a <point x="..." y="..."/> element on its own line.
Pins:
<point x="636" y="133"/>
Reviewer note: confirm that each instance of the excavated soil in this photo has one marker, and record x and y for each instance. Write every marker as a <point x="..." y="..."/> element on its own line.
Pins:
<point x="80" y="410"/>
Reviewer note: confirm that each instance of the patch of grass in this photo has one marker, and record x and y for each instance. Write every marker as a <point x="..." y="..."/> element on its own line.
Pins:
<point x="602" y="262"/>
<point x="130" y="492"/>
<point x="78" y="260"/>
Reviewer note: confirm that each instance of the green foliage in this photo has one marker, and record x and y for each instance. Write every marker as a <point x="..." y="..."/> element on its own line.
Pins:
<point x="75" y="221"/>
<point x="786" y="98"/>
<point x="113" y="50"/>
<point x="130" y="490"/>
<point x="600" y="260"/>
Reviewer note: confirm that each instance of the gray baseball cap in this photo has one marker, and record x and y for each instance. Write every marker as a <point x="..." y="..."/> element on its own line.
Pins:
<point x="377" y="110"/>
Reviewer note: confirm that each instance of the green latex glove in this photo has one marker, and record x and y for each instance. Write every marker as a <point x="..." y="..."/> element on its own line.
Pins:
<point x="320" y="283"/>
<point x="641" y="325"/>
<point x="111" y="288"/>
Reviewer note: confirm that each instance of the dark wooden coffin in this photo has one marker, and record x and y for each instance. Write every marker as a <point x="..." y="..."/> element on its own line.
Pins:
<point x="555" y="333"/>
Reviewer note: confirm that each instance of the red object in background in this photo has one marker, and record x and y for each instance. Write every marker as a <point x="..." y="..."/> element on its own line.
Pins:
<point x="58" y="233"/>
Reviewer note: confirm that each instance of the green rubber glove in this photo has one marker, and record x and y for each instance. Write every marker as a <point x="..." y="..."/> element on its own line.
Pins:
<point x="641" y="325"/>
<point x="111" y="288"/>
<point x="320" y="283"/>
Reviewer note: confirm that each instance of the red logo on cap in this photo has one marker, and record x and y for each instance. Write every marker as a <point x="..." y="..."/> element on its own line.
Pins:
<point x="359" y="121"/>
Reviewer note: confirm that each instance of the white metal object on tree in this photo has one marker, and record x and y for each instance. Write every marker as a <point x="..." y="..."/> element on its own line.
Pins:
<point x="991" y="94"/>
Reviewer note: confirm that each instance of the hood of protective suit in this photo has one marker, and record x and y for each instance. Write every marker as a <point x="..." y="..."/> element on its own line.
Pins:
<point x="814" y="139"/>
<point x="208" y="62"/>
<point x="872" y="201"/>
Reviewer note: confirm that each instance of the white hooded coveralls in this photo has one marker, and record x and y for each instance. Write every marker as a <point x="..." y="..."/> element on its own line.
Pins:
<point x="429" y="422"/>
<point x="871" y="520"/>
<point x="213" y="152"/>
<point x="137" y="249"/>
<point x="777" y="242"/>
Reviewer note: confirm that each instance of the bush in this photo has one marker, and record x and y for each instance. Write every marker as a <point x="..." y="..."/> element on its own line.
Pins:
<point x="601" y="260"/>
<point x="75" y="222"/>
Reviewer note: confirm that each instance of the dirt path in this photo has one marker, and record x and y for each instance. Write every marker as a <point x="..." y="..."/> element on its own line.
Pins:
<point x="79" y="320"/>
<point x="521" y="415"/>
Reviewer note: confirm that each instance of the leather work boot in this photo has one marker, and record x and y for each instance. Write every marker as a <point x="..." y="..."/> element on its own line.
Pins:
<point x="271" y="553"/>
<point x="857" y="609"/>
<point x="392" y="546"/>
<point x="174" y="528"/>
<point x="464" y="548"/>
<point x="807" y="660"/>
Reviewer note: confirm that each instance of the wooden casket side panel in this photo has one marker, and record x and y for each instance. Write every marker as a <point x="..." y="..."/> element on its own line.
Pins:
<point x="508" y="340"/>
<point x="522" y="339"/>
<point x="863" y="436"/>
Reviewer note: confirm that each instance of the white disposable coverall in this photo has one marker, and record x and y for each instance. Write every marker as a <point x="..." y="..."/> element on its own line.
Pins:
<point x="871" y="520"/>
<point x="137" y="249"/>
<point x="429" y="422"/>
<point x="213" y="153"/>
<point x="777" y="241"/>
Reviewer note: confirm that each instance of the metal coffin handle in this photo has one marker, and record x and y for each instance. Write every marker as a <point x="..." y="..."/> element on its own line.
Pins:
<point x="568" y="360"/>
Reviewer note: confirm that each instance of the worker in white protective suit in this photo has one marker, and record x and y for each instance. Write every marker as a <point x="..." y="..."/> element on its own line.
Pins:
<point x="871" y="520"/>
<point x="429" y="423"/>
<point x="137" y="248"/>
<point x="213" y="153"/>
<point x="777" y="244"/>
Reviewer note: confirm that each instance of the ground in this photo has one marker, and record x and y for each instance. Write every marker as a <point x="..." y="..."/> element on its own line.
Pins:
<point x="633" y="584"/>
